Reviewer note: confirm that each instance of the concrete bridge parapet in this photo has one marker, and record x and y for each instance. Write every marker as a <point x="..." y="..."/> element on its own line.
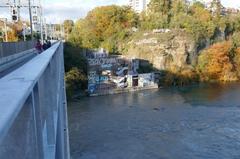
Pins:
<point x="33" y="109"/>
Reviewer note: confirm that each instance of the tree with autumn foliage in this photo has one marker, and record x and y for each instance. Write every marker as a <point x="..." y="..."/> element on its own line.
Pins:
<point x="220" y="62"/>
<point x="104" y="27"/>
<point x="68" y="26"/>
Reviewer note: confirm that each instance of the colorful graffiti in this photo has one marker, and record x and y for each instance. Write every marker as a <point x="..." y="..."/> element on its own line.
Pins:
<point x="92" y="76"/>
<point x="102" y="61"/>
<point x="91" y="88"/>
<point x="116" y="73"/>
<point x="146" y="79"/>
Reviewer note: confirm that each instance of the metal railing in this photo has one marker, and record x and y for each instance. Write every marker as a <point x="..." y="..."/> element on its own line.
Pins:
<point x="11" y="48"/>
<point x="33" y="109"/>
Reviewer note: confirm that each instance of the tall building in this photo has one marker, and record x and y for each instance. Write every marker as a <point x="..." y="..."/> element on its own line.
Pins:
<point x="139" y="5"/>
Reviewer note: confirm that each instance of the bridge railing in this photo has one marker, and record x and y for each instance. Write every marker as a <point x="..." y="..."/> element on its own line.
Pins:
<point x="33" y="115"/>
<point x="11" y="48"/>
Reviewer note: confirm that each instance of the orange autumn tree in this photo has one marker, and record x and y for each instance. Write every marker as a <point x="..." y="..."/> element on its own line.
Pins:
<point x="237" y="61"/>
<point x="12" y="36"/>
<point x="217" y="64"/>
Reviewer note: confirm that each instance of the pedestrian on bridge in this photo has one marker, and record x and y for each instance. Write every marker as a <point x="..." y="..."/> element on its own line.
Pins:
<point x="38" y="46"/>
<point x="45" y="45"/>
<point x="49" y="44"/>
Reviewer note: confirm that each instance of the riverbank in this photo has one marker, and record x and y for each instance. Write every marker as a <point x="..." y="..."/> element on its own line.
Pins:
<point x="82" y="94"/>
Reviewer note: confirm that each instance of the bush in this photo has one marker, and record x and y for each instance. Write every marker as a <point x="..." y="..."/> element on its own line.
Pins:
<point x="76" y="69"/>
<point x="180" y="77"/>
<point x="217" y="63"/>
<point x="73" y="57"/>
<point x="75" y="80"/>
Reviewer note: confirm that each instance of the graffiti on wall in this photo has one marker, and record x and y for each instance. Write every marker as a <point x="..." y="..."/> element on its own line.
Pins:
<point x="103" y="78"/>
<point x="91" y="88"/>
<point x="106" y="66"/>
<point x="146" y="79"/>
<point x="92" y="76"/>
<point x="102" y="61"/>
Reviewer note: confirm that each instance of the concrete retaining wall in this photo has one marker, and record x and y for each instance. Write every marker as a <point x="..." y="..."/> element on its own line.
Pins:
<point x="11" y="48"/>
<point x="9" y="61"/>
<point x="123" y="90"/>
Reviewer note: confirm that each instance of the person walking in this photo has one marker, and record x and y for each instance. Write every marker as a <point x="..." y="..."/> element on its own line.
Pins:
<point x="45" y="45"/>
<point x="49" y="44"/>
<point x="38" y="46"/>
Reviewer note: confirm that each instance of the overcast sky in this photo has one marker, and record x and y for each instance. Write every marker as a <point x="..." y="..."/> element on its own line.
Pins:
<point x="75" y="9"/>
<point x="56" y="11"/>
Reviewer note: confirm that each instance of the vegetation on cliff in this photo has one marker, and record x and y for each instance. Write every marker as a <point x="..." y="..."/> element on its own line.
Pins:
<point x="111" y="26"/>
<point x="104" y="27"/>
<point x="220" y="62"/>
<point x="75" y="68"/>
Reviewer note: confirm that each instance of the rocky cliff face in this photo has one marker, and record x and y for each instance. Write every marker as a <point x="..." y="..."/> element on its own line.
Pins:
<point x="164" y="50"/>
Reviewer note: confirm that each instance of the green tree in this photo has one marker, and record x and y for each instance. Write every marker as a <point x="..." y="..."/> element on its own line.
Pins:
<point x="196" y="20"/>
<point x="68" y="26"/>
<point x="158" y="14"/>
<point x="75" y="68"/>
<point x="179" y="13"/>
<point x="160" y="6"/>
<point x="75" y="81"/>
<point x="179" y="7"/>
<point x="216" y="8"/>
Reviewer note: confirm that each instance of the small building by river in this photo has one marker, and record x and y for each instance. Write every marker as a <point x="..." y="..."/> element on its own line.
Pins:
<point x="110" y="74"/>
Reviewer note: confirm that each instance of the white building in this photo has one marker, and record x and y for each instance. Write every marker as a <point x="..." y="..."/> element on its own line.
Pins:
<point x="207" y="3"/>
<point x="139" y="5"/>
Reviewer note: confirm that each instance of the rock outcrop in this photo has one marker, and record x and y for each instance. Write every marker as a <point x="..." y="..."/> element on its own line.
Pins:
<point x="175" y="48"/>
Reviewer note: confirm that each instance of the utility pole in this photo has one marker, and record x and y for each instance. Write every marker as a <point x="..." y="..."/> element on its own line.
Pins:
<point x="30" y="16"/>
<point x="18" y="10"/>
<point x="51" y="31"/>
<point x="46" y="29"/>
<point x="24" y="31"/>
<point x="41" y="20"/>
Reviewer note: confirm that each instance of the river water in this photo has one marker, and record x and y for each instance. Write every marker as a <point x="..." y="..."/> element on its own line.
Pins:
<point x="198" y="122"/>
